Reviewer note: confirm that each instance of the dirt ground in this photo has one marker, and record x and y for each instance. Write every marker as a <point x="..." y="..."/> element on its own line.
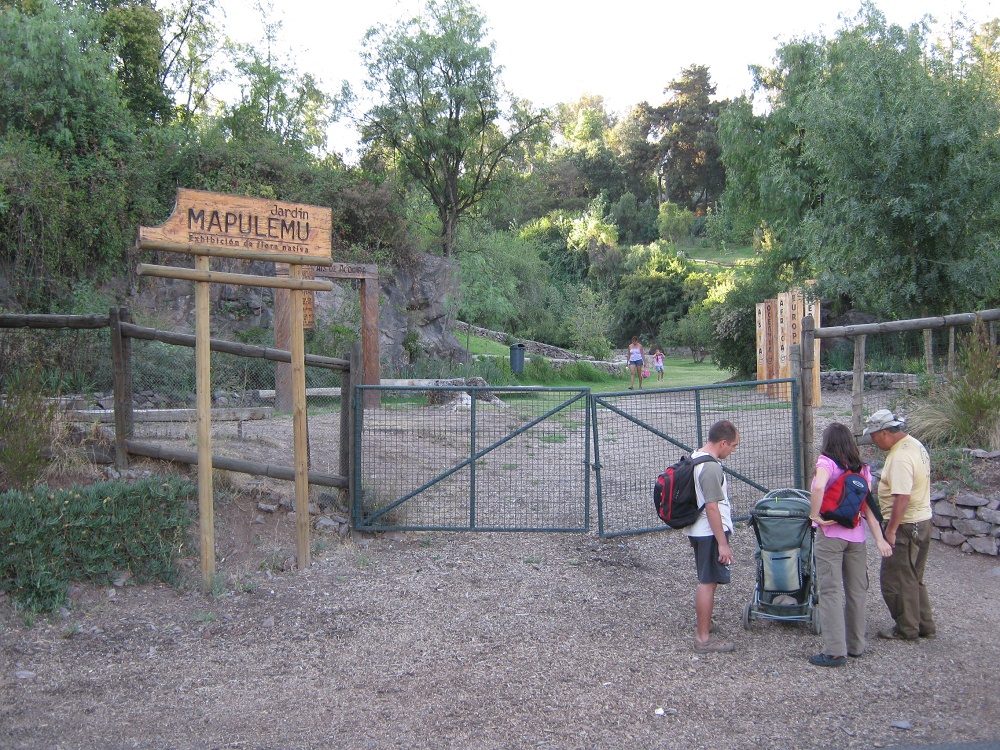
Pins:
<point x="465" y="640"/>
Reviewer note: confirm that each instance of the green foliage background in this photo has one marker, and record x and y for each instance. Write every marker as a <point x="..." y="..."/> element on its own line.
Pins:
<point x="874" y="170"/>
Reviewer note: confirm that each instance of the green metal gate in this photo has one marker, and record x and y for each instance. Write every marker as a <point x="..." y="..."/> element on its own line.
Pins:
<point x="469" y="458"/>
<point x="637" y="434"/>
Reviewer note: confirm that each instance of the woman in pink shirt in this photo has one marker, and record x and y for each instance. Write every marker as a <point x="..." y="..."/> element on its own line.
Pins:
<point x="841" y="561"/>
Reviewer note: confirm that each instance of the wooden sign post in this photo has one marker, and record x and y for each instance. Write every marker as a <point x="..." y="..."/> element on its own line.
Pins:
<point x="779" y="327"/>
<point x="230" y="226"/>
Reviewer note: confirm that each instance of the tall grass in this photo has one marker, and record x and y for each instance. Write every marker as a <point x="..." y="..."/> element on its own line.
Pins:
<point x="964" y="411"/>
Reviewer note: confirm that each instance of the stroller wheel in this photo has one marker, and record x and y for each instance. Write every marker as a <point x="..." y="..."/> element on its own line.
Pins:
<point x="747" y="612"/>
<point x="814" y="621"/>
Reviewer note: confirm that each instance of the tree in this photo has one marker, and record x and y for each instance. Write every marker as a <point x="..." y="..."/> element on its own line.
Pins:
<point x="72" y="181"/>
<point x="131" y="30"/>
<point x="877" y="167"/>
<point x="439" y="107"/>
<point x="190" y="44"/>
<point x="275" y="100"/>
<point x="685" y="129"/>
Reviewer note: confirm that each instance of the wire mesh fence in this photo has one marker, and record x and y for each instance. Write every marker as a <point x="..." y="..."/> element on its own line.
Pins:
<point x="245" y="424"/>
<point x="67" y="361"/>
<point x="898" y="364"/>
<point x="473" y="458"/>
<point x="638" y="435"/>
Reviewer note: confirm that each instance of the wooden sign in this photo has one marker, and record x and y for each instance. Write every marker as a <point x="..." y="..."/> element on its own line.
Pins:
<point x="767" y="345"/>
<point x="218" y="220"/>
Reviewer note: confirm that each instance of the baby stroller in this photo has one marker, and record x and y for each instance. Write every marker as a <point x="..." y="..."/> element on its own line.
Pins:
<point x="786" y="581"/>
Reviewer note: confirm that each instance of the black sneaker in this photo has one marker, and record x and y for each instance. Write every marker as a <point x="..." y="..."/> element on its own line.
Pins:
<point x="824" y="660"/>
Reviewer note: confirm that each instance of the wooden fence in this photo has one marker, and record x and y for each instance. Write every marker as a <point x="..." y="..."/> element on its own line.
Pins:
<point x="805" y="356"/>
<point x="123" y="331"/>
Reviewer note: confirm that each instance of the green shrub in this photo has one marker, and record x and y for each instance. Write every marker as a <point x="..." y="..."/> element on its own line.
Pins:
<point x="53" y="538"/>
<point x="674" y="222"/>
<point x="26" y="420"/>
<point x="538" y="370"/>
<point x="584" y="372"/>
<point x="965" y="410"/>
<point x="589" y="324"/>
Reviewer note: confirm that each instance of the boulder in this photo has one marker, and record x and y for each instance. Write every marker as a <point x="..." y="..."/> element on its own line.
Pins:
<point x="984" y="545"/>
<point x="952" y="538"/>
<point x="990" y="516"/>
<point x="971" y="527"/>
<point x="970" y="500"/>
<point x="945" y="508"/>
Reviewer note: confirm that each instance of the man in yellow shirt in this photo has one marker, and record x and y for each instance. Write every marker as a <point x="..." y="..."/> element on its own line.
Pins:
<point x="904" y="492"/>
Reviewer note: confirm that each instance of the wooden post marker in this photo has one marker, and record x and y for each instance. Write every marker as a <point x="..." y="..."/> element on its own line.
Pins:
<point x="779" y="327"/>
<point x="231" y="226"/>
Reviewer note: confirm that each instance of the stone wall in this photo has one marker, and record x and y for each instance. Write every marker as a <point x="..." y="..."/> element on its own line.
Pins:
<point x="967" y="520"/>
<point x="531" y="347"/>
<point x="842" y="380"/>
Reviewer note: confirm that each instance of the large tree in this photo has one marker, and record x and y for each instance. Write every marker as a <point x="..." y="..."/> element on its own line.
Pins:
<point x="685" y="129"/>
<point x="440" y="107"/>
<point x="878" y="166"/>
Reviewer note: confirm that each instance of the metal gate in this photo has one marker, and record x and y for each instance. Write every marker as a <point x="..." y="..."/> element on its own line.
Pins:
<point x="472" y="458"/>
<point x="637" y="434"/>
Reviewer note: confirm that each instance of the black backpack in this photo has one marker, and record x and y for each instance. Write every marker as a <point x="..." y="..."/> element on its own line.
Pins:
<point x="674" y="495"/>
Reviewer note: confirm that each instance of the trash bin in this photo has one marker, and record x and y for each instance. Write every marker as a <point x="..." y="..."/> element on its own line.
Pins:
<point x="517" y="358"/>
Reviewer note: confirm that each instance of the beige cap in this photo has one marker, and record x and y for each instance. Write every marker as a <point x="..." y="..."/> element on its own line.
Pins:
<point x="882" y="419"/>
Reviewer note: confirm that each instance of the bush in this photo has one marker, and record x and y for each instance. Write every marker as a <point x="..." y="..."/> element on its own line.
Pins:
<point x="584" y="372"/>
<point x="694" y="331"/>
<point x="538" y="370"/>
<point x="589" y="324"/>
<point x="90" y="534"/>
<point x="674" y="222"/>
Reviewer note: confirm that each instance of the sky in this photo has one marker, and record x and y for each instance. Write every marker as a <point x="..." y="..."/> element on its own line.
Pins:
<point x="557" y="50"/>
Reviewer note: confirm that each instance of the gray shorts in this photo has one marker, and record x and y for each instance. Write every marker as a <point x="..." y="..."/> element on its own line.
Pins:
<point x="706" y="560"/>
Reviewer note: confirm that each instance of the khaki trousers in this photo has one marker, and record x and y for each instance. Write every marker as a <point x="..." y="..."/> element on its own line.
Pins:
<point x="903" y="581"/>
<point x="842" y="582"/>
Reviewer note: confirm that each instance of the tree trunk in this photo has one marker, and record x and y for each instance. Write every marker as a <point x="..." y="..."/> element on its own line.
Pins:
<point x="449" y="222"/>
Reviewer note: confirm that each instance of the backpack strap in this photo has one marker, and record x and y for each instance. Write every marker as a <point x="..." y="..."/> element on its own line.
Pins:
<point x="696" y="476"/>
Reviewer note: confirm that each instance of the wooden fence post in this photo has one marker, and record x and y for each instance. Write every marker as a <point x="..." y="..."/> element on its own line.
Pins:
<point x="121" y="373"/>
<point x="794" y="354"/>
<point x="348" y="400"/>
<point x="808" y="359"/>
<point x="951" y="351"/>
<point x="347" y="381"/>
<point x="929" y="351"/>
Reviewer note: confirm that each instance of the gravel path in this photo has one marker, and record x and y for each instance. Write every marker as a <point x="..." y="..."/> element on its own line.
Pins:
<point x="491" y="641"/>
<point x="451" y="640"/>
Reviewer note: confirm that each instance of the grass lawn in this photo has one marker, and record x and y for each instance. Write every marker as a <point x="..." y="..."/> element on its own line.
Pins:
<point x="726" y="255"/>
<point x="678" y="371"/>
<point x="479" y="345"/>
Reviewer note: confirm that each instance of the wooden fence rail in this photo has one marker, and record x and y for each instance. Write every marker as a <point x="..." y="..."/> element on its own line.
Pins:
<point x="231" y="347"/>
<point x="54" y="321"/>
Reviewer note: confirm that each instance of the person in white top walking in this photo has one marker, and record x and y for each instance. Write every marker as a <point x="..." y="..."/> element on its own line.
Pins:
<point x="636" y="362"/>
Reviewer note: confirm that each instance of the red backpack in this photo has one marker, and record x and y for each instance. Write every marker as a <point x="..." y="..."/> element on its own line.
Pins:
<point x="845" y="499"/>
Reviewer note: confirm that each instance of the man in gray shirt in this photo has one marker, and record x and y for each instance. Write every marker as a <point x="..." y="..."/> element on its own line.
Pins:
<point x="709" y="535"/>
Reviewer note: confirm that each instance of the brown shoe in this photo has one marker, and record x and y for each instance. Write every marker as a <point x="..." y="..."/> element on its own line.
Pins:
<point x="892" y="634"/>
<point x="713" y="646"/>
